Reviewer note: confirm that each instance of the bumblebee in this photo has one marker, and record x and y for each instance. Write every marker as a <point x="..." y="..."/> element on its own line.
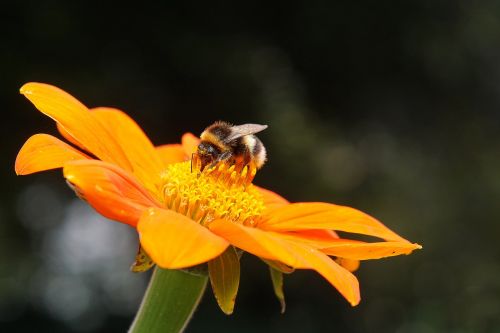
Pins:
<point x="222" y="141"/>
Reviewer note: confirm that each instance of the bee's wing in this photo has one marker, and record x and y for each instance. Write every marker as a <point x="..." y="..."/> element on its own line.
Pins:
<point x="242" y="130"/>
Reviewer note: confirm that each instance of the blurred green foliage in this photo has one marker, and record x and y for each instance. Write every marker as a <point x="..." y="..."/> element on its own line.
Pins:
<point x="390" y="107"/>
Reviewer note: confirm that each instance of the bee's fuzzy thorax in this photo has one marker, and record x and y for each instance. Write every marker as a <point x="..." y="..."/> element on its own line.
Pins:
<point x="216" y="133"/>
<point x="220" y="129"/>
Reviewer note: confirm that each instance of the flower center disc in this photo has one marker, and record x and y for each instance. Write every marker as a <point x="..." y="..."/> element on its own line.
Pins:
<point x="221" y="191"/>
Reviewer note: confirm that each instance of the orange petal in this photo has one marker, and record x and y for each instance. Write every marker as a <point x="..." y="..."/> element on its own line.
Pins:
<point x="316" y="238"/>
<point x="76" y="119"/>
<point x="112" y="191"/>
<point x="140" y="152"/>
<point x="349" y="264"/>
<point x="142" y="155"/>
<point x="351" y="249"/>
<point x="271" y="199"/>
<point x="190" y="143"/>
<point x="345" y="282"/>
<point x="361" y="251"/>
<point x="263" y="244"/>
<point x="68" y="137"/>
<point x="319" y="215"/>
<point x="312" y="238"/>
<point x="174" y="241"/>
<point x="320" y="234"/>
<point x="44" y="152"/>
<point x="172" y="153"/>
<point x="271" y="245"/>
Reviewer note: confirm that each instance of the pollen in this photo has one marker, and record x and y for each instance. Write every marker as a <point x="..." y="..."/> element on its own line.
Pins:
<point x="222" y="191"/>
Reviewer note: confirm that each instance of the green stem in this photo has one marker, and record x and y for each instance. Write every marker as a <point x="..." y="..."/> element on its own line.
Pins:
<point x="169" y="301"/>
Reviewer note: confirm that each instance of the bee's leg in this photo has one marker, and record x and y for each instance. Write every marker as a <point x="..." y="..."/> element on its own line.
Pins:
<point x="195" y="158"/>
<point x="221" y="158"/>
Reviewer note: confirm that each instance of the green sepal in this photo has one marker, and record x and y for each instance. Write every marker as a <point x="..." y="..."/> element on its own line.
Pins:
<point x="277" y="279"/>
<point x="142" y="262"/>
<point x="224" y="272"/>
<point x="279" y="266"/>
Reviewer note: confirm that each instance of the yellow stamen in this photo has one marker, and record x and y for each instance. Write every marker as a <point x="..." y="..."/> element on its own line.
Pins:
<point x="220" y="191"/>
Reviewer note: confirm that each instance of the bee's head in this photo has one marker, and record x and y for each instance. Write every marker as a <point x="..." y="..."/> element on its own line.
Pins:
<point x="206" y="148"/>
<point x="207" y="152"/>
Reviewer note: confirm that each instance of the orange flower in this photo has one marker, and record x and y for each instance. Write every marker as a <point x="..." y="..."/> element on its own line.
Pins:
<point x="187" y="217"/>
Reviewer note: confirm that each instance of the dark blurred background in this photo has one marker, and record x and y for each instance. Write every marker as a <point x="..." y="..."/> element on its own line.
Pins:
<point x="391" y="107"/>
